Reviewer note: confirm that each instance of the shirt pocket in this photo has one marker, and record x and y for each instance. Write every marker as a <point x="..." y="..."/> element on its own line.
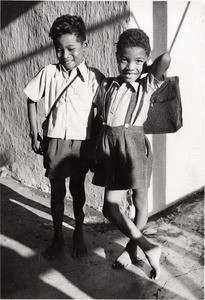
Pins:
<point x="82" y="98"/>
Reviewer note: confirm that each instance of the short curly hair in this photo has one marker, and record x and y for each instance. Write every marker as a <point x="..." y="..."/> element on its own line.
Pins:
<point x="134" y="37"/>
<point x="68" y="24"/>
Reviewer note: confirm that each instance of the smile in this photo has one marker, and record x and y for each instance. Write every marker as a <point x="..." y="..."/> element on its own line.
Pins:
<point x="129" y="73"/>
<point x="66" y="61"/>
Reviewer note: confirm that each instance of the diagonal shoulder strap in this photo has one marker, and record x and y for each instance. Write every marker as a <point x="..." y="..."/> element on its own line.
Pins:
<point x="60" y="95"/>
<point x="106" y="98"/>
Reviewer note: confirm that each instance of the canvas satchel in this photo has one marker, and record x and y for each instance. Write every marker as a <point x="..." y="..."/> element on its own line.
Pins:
<point x="165" y="112"/>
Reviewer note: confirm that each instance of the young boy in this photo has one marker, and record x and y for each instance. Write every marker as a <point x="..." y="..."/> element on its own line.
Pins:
<point x="124" y="158"/>
<point x="67" y="132"/>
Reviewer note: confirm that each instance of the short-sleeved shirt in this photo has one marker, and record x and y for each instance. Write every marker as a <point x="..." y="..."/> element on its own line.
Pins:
<point x="121" y="92"/>
<point x="71" y="118"/>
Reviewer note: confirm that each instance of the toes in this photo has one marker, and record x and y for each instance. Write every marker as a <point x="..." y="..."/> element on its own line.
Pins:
<point x="123" y="261"/>
<point x="154" y="274"/>
<point x="117" y="265"/>
<point x="120" y="265"/>
<point x="79" y="253"/>
<point x="79" y="248"/>
<point x="48" y="256"/>
<point x="54" y="249"/>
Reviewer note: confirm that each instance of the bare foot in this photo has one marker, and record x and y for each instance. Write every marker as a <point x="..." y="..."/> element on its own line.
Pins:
<point x="123" y="261"/>
<point x="128" y="256"/>
<point x="79" y="248"/>
<point x="153" y="256"/>
<point x="54" y="248"/>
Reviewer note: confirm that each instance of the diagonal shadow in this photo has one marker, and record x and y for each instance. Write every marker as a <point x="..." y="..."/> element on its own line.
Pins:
<point x="134" y="18"/>
<point x="94" y="28"/>
<point x="179" y="27"/>
<point x="12" y="280"/>
<point x="11" y="10"/>
<point x="159" y="141"/>
<point x="91" y="276"/>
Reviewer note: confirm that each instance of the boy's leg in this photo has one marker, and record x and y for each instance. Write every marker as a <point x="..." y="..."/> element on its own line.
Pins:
<point x="140" y="201"/>
<point x="58" y="192"/>
<point x="77" y="190"/>
<point x="113" y="213"/>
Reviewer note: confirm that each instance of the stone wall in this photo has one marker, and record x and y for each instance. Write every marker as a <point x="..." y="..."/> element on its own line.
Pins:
<point x="25" y="49"/>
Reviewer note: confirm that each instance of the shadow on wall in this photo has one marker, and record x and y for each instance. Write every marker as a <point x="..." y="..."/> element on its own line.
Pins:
<point x="13" y="10"/>
<point x="5" y="159"/>
<point x="91" y="29"/>
<point x="159" y="141"/>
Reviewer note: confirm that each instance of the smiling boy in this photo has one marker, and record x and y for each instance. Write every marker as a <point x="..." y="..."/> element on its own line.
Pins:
<point x="124" y="156"/>
<point x="67" y="132"/>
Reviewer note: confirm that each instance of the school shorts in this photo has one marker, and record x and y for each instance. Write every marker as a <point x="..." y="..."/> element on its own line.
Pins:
<point x="124" y="158"/>
<point x="62" y="158"/>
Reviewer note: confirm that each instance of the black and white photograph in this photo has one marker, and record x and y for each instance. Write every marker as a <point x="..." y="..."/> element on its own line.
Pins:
<point x="102" y="149"/>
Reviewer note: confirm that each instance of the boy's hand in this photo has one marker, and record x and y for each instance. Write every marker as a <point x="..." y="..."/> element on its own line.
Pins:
<point x="147" y="66"/>
<point x="36" y="144"/>
<point x="92" y="156"/>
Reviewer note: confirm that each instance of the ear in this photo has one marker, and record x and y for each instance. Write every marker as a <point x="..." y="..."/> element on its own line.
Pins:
<point x="85" y="44"/>
<point x="149" y="61"/>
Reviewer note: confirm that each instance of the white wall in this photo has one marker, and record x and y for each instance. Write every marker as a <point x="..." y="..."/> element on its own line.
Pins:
<point x="183" y="167"/>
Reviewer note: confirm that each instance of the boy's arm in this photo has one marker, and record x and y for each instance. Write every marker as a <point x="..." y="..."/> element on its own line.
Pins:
<point x="160" y="65"/>
<point x="32" y="116"/>
<point x="97" y="120"/>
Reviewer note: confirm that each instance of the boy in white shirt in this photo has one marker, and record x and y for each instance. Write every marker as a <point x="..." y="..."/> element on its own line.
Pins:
<point x="67" y="131"/>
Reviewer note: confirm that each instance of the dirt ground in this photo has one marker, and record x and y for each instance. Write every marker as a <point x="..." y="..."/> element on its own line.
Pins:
<point x="26" y="229"/>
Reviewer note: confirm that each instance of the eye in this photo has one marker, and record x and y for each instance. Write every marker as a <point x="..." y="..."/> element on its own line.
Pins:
<point x="71" y="49"/>
<point x="59" y="50"/>
<point x="139" y="61"/>
<point x="123" y="59"/>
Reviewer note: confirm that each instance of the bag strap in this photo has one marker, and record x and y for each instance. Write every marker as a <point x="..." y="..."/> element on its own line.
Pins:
<point x="132" y="105"/>
<point x="107" y="99"/>
<point x="58" y="98"/>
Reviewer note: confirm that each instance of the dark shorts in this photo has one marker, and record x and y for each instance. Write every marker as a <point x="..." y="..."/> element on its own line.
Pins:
<point x="62" y="158"/>
<point x="124" y="158"/>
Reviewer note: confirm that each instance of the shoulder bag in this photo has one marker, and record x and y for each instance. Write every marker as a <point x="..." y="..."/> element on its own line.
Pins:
<point x="165" y="112"/>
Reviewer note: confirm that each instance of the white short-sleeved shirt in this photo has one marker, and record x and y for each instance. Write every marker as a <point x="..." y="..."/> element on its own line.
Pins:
<point x="71" y="117"/>
<point x="120" y="99"/>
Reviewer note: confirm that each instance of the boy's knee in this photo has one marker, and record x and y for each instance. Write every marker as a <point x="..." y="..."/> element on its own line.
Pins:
<point x="105" y="211"/>
<point x="140" y="198"/>
<point x="58" y="190"/>
<point x="110" y="210"/>
<point x="77" y="191"/>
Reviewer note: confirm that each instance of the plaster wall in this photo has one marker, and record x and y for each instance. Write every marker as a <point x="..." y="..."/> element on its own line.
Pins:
<point x="26" y="48"/>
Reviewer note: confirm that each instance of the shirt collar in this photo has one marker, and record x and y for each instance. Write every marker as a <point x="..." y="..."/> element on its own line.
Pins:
<point x="81" y="69"/>
<point x="119" y="81"/>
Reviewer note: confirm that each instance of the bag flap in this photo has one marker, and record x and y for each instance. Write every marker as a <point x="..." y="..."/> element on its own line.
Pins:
<point x="168" y="91"/>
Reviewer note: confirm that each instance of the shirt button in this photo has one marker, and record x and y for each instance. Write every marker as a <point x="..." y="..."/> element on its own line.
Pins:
<point x="127" y="125"/>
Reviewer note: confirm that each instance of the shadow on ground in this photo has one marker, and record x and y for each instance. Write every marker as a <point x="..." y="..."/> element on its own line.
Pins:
<point x="27" y="228"/>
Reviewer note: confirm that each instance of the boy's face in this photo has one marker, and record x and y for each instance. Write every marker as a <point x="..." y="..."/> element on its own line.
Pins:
<point x="69" y="51"/>
<point x="130" y="63"/>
